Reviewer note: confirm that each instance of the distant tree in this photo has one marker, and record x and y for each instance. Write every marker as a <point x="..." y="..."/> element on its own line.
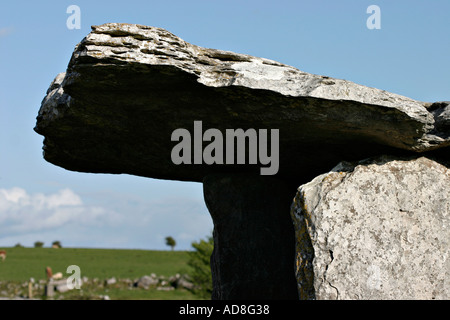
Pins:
<point x="199" y="261"/>
<point x="171" y="242"/>
<point x="18" y="245"/>
<point x="38" y="244"/>
<point x="56" y="244"/>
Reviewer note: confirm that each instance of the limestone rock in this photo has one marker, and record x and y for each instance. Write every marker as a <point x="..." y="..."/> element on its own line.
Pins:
<point x="441" y="114"/>
<point x="146" y="282"/>
<point x="110" y="281"/>
<point x="128" y="87"/>
<point x="375" y="230"/>
<point x="181" y="281"/>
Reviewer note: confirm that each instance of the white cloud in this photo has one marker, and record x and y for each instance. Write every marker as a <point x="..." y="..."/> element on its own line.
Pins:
<point x="103" y="219"/>
<point x="21" y="213"/>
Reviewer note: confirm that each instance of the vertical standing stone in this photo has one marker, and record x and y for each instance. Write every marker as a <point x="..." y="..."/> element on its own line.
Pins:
<point x="254" y="242"/>
<point x="374" y="230"/>
<point x="30" y="288"/>
<point x="49" y="289"/>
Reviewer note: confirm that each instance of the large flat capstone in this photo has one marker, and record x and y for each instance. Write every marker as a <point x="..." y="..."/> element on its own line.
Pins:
<point x="128" y="87"/>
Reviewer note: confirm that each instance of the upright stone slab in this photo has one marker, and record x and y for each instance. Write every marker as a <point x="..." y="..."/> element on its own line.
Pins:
<point x="375" y="230"/>
<point x="254" y="244"/>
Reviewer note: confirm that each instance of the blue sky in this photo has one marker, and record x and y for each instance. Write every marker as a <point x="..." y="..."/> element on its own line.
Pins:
<point x="409" y="55"/>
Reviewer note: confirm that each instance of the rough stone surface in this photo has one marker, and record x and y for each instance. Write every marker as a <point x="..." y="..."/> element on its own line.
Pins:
<point x="253" y="255"/>
<point x="128" y="87"/>
<point x="441" y="114"/>
<point x="375" y="230"/>
<point x="181" y="281"/>
<point x="146" y="282"/>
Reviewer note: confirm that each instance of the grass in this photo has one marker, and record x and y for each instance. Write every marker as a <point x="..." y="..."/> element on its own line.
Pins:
<point x="22" y="264"/>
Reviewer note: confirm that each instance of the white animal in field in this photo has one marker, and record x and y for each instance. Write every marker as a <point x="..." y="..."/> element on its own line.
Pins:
<point x="3" y="254"/>
<point x="57" y="276"/>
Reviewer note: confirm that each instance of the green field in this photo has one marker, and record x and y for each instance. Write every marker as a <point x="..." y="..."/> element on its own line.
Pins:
<point x="22" y="264"/>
